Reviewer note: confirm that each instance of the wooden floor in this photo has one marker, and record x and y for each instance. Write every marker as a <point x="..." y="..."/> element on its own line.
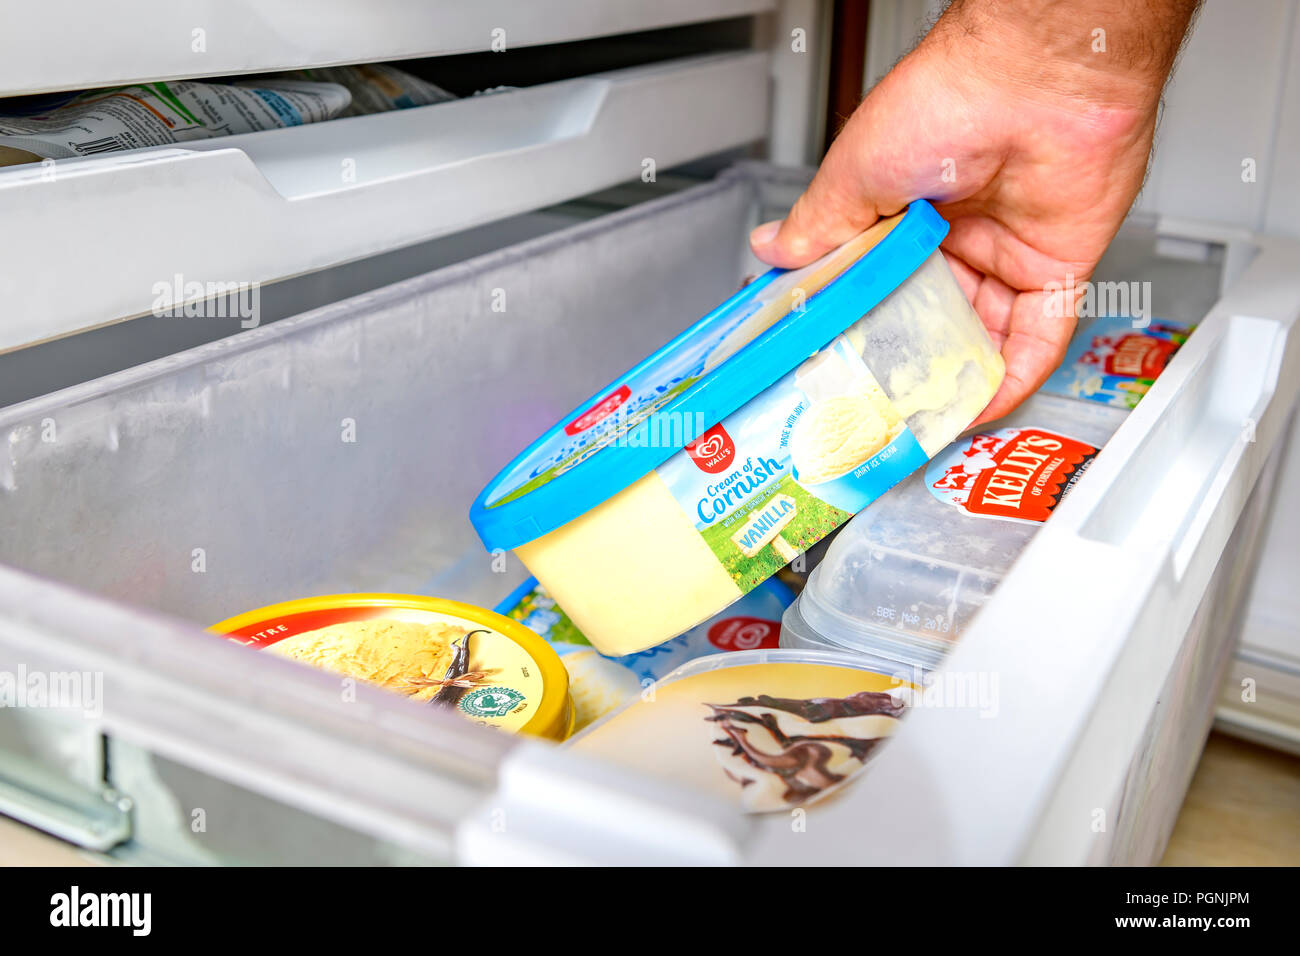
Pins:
<point x="1243" y="809"/>
<point x="22" y="846"/>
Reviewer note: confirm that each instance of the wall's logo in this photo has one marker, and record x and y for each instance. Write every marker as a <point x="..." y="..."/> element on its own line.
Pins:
<point x="600" y="411"/>
<point x="744" y="634"/>
<point x="491" y="701"/>
<point x="714" y="451"/>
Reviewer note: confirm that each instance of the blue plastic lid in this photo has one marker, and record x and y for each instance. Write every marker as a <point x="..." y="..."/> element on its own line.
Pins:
<point x="651" y="412"/>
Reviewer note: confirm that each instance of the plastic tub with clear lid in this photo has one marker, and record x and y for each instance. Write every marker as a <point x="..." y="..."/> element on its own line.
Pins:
<point x="908" y="574"/>
<point x="698" y="474"/>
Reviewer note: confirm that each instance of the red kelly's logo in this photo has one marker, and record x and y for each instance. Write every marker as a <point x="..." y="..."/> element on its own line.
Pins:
<point x="714" y="451"/>
<point x="1027" y="475"/>
<point x="601" y="410"/>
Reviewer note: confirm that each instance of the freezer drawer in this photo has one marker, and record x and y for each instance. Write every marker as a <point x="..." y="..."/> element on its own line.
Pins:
<point x="101" y="45"/>
<point x="235" y="456"/>
<point x="1069" y="717"/>
<point x="139" y="507"/>
<point x="264" y="206"/>
<point x="1261" y="699"/>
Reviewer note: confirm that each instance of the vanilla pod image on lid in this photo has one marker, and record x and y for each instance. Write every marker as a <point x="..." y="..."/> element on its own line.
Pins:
<point x="696" y="475"/>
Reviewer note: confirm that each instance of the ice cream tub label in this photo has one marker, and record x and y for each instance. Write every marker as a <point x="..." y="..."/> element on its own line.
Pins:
<point x="471" y="661"/>
<point x="765" y="730"/>
<point x="1016" y="474"/>
<point x="1115" y="362"/>
<point x="773" y="479"/>
<point x="699" y="473"/>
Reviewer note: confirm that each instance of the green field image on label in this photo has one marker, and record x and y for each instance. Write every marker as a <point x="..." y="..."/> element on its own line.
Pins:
<point x="561" y="631"/>
<point x="789" y="534"/>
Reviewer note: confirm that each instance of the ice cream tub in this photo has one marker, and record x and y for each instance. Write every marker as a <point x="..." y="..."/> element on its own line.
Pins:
<point x="1116" y="359"/>
<point x="909" y="574"/>
<point x="767" y="730"/>
<point x="479" y="664"/>
<point x="600" y="684"/>
<point x="695" y="476"/>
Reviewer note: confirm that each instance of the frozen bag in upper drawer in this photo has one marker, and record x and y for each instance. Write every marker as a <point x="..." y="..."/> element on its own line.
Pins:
<point x="755" y="433"/>
<point x="162" y="114"/>
<point x="374" y="87"/>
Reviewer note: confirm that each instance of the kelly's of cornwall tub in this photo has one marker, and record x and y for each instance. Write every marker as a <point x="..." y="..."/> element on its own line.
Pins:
<point x="746" y="439"/>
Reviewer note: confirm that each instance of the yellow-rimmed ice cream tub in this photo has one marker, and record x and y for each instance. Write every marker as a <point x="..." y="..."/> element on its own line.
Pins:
<point x="475" y="662"/>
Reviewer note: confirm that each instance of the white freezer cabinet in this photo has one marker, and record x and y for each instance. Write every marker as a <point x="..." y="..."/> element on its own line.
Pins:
<point x="70" y="44"/>
<point x="262" y="207"/>
<point x="1106" y="640"/>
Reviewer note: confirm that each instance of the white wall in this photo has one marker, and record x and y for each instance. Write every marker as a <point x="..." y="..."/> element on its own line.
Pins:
<point x="799" y="79"/>
<point x="1235" y="98"/>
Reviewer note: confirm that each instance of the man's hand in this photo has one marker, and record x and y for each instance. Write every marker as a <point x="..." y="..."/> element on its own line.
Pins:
<point x="1030" y="131"/>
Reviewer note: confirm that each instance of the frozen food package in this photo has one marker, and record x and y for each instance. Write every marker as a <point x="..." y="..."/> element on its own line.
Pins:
<point x="1115" y="359"/>
<point x="701" y="472"/>
<point x="600" y="684"/>
<point x="764" y="730"/>
<point x="375" y="87"/>
<point x="908" y="574"/>
<point x="447" y="654"/>
<point x="160" y="114"/>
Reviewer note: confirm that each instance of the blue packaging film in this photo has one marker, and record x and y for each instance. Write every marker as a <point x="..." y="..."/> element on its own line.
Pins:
<point x="600" y="684"/>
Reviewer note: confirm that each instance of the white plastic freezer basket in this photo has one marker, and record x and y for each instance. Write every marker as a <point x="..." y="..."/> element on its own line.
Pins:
<point x="137" y="508"/>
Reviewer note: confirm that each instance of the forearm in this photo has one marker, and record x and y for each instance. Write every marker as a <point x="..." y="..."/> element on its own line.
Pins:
<point x="1111" y="53"/>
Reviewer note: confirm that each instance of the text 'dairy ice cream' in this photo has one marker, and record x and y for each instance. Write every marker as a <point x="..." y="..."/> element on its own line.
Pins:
<point x="688" y="481"/>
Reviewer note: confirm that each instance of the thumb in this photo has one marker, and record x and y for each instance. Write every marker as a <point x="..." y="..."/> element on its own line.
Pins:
<point x="843" y="199"/>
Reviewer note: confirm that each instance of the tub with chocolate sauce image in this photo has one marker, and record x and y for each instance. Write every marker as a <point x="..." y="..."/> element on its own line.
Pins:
<point x="767" y="730"/>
